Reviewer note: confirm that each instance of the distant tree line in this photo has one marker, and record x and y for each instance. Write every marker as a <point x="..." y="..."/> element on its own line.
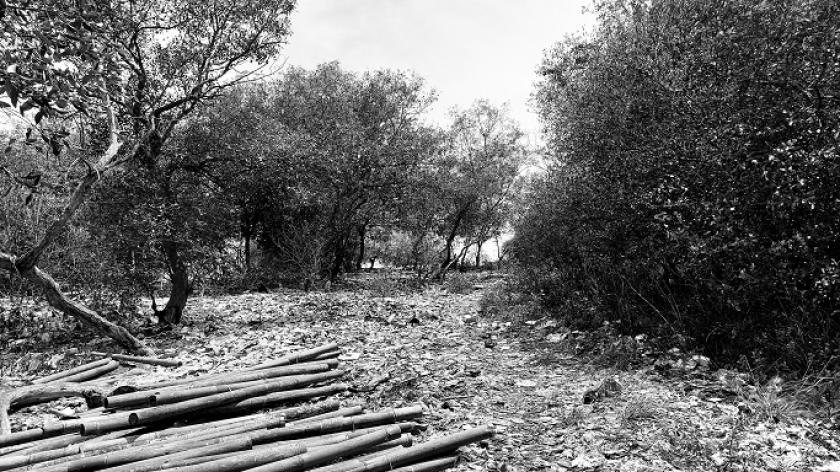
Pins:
<point x="692" y="187"/>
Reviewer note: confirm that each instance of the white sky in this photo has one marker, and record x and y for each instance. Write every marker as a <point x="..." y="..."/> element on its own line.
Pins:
<point x="465" y="49"/>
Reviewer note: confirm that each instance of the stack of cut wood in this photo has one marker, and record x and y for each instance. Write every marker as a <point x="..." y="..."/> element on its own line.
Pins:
<point x="275" y="416"/>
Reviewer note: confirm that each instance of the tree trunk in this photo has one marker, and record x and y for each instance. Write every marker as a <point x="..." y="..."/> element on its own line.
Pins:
<point x="58" y="300"/>
<point x="247" y="236"/>
<point x="340" y="254"/>
<point x="361" y="256"/>
<point x="498" y="253"/>
<point x="461" y="258"/>
<point x="180" y="292"/>
<point x="450" y="239"/>
<point x="247" y="228"/>
<point x="478" y="255"/>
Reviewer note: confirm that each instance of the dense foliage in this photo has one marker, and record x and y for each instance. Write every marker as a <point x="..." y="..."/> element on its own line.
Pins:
<point x="106" y="83"/>
<point x="692" y="190"/>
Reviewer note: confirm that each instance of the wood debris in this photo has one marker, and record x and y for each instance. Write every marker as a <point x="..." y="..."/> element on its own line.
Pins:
<point x="229" y="421"/>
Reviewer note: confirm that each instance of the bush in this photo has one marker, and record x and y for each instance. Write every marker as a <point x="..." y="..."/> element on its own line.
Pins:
<point x="692" y="194"/>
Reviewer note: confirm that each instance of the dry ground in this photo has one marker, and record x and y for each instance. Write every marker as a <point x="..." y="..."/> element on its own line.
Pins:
<point x="435" y="348"/>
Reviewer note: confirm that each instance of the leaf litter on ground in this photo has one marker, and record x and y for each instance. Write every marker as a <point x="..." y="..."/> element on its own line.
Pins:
<point x="431" y="347"/>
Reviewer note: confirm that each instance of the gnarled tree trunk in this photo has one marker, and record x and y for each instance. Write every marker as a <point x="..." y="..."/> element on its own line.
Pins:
<point x="181" y="289"/>
<point x="57" y="299"/>
<point x="26" y="266"/>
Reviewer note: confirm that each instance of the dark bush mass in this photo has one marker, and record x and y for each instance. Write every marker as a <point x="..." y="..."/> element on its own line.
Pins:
<point x="692" y="189"/>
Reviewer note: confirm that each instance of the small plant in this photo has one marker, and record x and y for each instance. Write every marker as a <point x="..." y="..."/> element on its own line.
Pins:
<point x="771" y="403"/>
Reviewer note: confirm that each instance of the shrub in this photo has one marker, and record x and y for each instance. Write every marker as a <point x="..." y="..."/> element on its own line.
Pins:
<point x="691" y="194"/>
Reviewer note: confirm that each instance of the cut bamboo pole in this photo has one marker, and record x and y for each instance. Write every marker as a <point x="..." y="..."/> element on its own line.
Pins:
<point x="182" y="430"/>
<point x="21" y="437"/>
<point x="15" y="449"/>
<point x="294" y="413"/>
<point x="342" y="412"/>
<point x="162" y="461"/>
<point x="150" y="415"/>
<point x="49" y="452"/>
<point x="41" y="445"/>
<point x="326" y="355"/>
<point x="338" y="424"/>
<point x="297" y="356"/>
<point x="136" y="454"/>
<point x="73" y="371"/>
<point x="329" y="453"/>
<point x="96" y="448"/>
<point x="92" y="373"/>
<point x="91" y="446"/>
<point x="434" y="465"/>
<point x="50" y="429"/>
<point x="263" y="374"/>
<point x="423" y="451"/>
<point x="302" y="412"/>
<point x="242" y="461"/>
<point x="237" y="461"/>
<point x="274" y="399"/>
<point x="332" y="438"/>
<point x="239" y="428"/>
<point x="140" y="359"/>
<point x="255" y="402"/>
<point x="201" y="460"/>
<point x="348" y="464"/>
<point x="14" y="461"/>
<point x="100" y="425"/>
<point x="406" y="440"/>
<point x="273" y="420"/>
<point x="21" y="460"/>
<point x="64" y="441"/>
<point x="242" y="379"/>
<point x="243" y="375"/>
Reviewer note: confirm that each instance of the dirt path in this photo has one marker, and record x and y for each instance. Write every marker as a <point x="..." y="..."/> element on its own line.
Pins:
<point x="437" y="349"/>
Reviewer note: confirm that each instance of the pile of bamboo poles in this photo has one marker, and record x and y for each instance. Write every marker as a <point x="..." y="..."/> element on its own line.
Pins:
<point x="276" y="416"/>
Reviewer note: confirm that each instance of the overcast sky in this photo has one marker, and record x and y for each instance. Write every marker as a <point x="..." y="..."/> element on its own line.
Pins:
<point x="465" y="49"/>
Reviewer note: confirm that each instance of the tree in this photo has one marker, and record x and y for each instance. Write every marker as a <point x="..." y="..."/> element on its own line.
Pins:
<point x="363" y="138"/>
<point x="137" y="68"/>
<point x="485" y="154"/>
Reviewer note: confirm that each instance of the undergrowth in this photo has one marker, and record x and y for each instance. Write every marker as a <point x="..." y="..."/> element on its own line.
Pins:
<point x="604" y="344"/>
